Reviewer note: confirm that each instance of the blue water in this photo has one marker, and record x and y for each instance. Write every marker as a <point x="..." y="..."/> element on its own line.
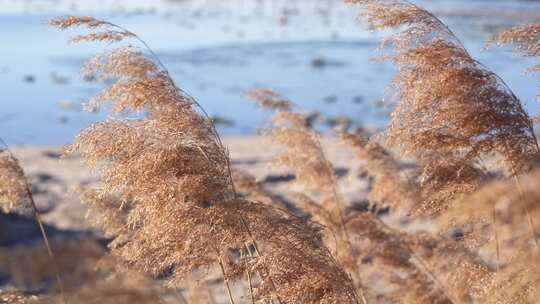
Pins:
<point x="216" y="50"/>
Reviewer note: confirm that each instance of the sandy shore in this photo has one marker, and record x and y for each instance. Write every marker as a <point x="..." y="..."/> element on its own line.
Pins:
<point x="54" y="178"/>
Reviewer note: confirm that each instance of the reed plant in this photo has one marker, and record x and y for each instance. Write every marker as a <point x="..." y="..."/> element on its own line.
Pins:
<point x="176" y="214"/>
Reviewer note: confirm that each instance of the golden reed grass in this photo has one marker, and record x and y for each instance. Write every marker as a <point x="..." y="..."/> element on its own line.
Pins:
<point x="451" y="111"/>
<point x="175" y="210"/>
<point x="169" y="168"/>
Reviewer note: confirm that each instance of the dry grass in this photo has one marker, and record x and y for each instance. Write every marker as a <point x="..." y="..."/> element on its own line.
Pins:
<point x="451" y="112"/>
<point x="524" y="40"/>
<point x="13" y="196"/>
<point x="171" y="172"/>
<point x="391" y="187"/>
<point x="177" y="215"/>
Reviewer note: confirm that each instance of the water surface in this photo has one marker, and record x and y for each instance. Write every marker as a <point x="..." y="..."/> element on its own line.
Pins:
<point x="316" y="52"/>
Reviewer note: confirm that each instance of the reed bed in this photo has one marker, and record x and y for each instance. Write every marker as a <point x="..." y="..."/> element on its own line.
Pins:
<point x="459" y="227"/>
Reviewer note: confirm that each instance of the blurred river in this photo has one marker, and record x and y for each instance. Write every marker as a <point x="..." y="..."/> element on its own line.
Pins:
<point x="316" y="52"/>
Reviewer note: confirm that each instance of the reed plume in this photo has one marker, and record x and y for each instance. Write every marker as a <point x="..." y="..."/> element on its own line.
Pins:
<point x="438" y="269"/>
<point x="159" y="153"/>
<point x="463" y="272"/>
<point x="500" y="202"/>
<point x="305" y="157"/>
<point x="248" y="187"/>
<point x="517" y="282"/>
<point x="417" y="267"/>
<point x="524" y="39"/>
<point x="390" y="187"/>
<point x="108" y="213"/>
<point x="451" y="111"/>
<point x="361" y="236"/>
<point x="385" y="253"/>
<point x="13" y="186"/>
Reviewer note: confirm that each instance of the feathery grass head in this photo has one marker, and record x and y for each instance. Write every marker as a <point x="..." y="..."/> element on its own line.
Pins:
<point x="270" y="100"/>
<point x="304" y="156"/>
<point x="157" y="152"/>
<point x="464" y="273"/>
<point x="512" y="207"/>
<point x="388" y="256"/>
<point x="13" y="186"/>
<point x="390" y="188"/>
<point x="525" y="40"/>
<point x="71" y="21"/>
<point x="184" y="157"/>
<point x="416" y="24"/>
<point x="451" y="111"/>
<point x="418" y="267"/>
<point x="110" y="33"/>
<point x="162" y="160"/>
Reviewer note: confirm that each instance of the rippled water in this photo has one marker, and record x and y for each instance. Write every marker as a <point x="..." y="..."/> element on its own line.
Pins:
<point x="314" y="51"/>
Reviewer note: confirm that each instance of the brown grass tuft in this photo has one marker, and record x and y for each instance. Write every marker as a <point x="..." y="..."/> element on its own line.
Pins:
<point x="13" y="196"/>
<point x="451" y="111"/>
<point x="501" y="206"/>
<point x="390" y="188"/>
<point x="388" y="260"/>
<point x="313" y="172"/>
<point x="160" y="155"/>
<point x="175" y="211"/>
<point x="517" y="283"/>
<point x="524" y="38"/>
